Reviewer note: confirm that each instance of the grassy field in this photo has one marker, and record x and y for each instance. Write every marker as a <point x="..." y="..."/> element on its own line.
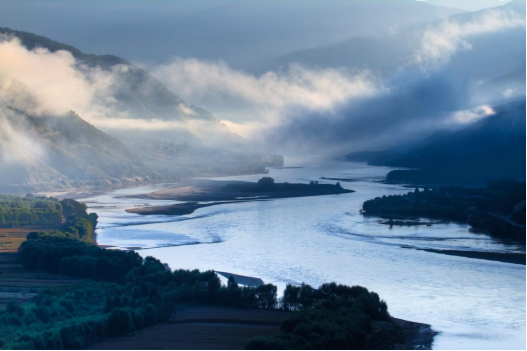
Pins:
<point x="11" y="238"/>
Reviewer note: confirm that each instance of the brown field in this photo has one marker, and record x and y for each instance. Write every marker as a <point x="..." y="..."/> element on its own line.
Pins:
<point x="20" y="284"/>
<point x="202" y="328"/>
<point x="11" y="238"/>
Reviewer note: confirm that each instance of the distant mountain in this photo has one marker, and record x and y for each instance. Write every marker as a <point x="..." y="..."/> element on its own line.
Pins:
<point x="136" y="92"/>
<point x="381" y="53"/>
<point x="49" y="152"/>
<point x="490" y="55"/>
<point x="245" y="34"/>
<point x="508" y="87"/>
<point x="492" y="148"/>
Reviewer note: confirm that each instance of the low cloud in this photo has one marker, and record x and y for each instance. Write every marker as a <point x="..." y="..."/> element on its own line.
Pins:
<point x="20" y="138"/>
<point x="52" y="82"/>
<point x="409" y="110"/>
<point x="442" y="40"/>
<point x="337" y="110"/>
<point x="470" y="115"/>
<point x="247" y="103"/>
<point x="334" y="110"/>
<point x="42" y="83"/>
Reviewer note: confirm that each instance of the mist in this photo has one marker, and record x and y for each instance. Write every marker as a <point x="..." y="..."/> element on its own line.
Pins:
<point x="42" y="83"/>
<point x="335" y="110"/>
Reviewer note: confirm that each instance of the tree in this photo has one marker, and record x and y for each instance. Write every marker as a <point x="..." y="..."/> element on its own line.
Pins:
<point x="266" y="182"/>
<point x="120" y="322"/>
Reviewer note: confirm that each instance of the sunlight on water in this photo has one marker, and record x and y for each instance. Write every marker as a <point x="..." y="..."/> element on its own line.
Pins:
<point x="474" y="304"/>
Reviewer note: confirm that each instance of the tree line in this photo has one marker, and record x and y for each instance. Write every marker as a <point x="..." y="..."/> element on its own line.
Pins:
<point x="16" y="211"/>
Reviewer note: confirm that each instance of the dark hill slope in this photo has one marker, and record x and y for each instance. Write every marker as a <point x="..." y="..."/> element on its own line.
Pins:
<point x="492" y="148"/>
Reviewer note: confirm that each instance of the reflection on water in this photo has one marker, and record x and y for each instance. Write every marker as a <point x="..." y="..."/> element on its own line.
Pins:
<point x="473" y="303"/>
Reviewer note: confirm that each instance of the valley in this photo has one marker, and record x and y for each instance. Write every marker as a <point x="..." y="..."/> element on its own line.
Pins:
<point x="263" y="174"/>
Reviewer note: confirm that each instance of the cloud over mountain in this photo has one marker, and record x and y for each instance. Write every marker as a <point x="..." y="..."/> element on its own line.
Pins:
<point x="344" y="108"/>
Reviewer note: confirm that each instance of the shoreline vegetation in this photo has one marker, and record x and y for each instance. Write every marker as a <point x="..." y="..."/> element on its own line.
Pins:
<point x="202" y="193"/>
<point x="498" y="209"/>
<point x="117" y="293"/>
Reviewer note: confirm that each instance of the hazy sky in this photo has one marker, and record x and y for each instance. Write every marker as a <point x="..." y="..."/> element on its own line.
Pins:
<point x="468" y="5"/>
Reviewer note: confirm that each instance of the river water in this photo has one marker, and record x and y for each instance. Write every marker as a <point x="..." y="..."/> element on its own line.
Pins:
<point x="474" y="304"/>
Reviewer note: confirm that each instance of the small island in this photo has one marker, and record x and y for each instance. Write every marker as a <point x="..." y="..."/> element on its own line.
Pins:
<point x="202" y="193"/>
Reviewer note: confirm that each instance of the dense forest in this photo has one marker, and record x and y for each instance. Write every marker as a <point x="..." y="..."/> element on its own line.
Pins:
<point x="498" y="209"/>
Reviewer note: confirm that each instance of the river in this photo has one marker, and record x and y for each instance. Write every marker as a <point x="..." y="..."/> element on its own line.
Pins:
<point x="472" y="303"/>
